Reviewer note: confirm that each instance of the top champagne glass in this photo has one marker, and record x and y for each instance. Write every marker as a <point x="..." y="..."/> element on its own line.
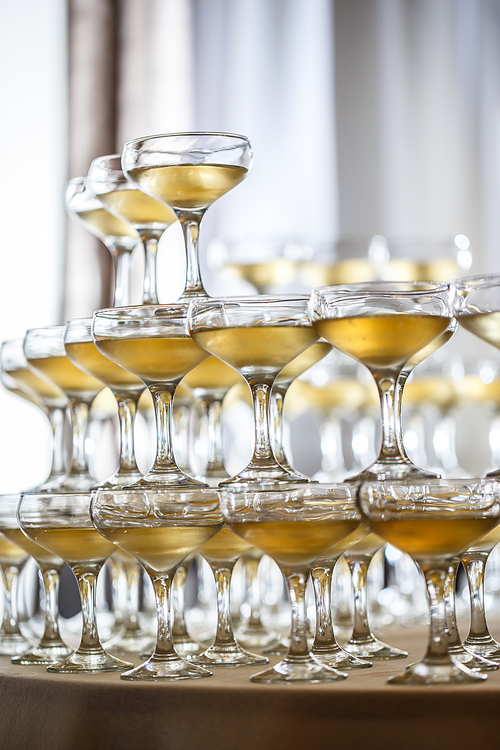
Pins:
<point x="149" y="217"/>
<point x="384" y="325"/>
<point x="118" y="235"/>
<point x="188" y="172"/>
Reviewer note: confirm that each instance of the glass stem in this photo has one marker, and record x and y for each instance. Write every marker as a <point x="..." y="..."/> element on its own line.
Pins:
<point x="122" y="265"/>
<point x="86" y="578"/>
<point x="451" y="612"/>
<point x="215" y="455"/>
<point x="150" y="292"/>
<point x="10" y="621"/>
<point x="277" y="409"/>
<point x="435" y="580"/>
<point x="322" y="582"/>
<point x="162" y="586"/>
<point x="400" y="384"/>
<point x="252" y="589"/>
<point x="296" y="583"/>
<point x="390" y="400"/>
<point x="79" y="424"/>
<point x="163" y="399"/>
<point x="133" y="576"/>
<point x="179" y="628"/>
<point x="263" y="455"/>
<point x="475" y="565"/>
<point x="224" y="634"/>
<point x="56" y="416"/>
<point x="50" y="577"/>
<point x="127" y="410"/>
<point x="190" y="223"/>
<point x="359" y="574"/>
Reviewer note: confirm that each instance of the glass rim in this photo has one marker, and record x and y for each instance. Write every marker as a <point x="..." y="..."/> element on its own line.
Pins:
<point x="45" y="328"/>
<point x="253" y="299"/>
<point x="385" y="288"/>
<point x="116" y="313"/>
<point x="112" y="172"/>
<point x="483" y="281"/>
<point x="129" y="144"/>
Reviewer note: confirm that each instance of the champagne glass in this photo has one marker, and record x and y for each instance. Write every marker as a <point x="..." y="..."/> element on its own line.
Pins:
<point x="153" y="343"/>
<point x="160" y="527"/>
<point x="61" y="523"/>
<point x="285" y="378"/>
<point x="363" y="643"/>
<point x="295" y="526"/>
<point x="257" y="336"/>
<point x="46" y="356"/>
<point x="188" y="172"/>
<point x="383" y="325"/>
<point x="49" y="398"/>
<point x="433" y="521"/>
<point x="118" y="235"/>
<point x="12" y="560"/>
<point x="148" y="216"/>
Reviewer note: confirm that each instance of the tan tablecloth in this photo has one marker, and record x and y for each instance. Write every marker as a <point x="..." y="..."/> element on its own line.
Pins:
<point x="41" y="711"/>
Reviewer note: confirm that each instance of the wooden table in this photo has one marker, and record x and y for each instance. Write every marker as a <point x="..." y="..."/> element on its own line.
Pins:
<point x="42" y="711"/>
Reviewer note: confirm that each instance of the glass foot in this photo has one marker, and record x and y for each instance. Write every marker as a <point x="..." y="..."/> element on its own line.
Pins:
<point x="43" y="655"/>
<point x="486" y="648"/>
<point x="372" y="648"/>
<point x="303" y="670"/>
<point x="166" y="668"/>
<point x="187" y="648"/>
<point x="471" y="661"/>
<point x="339" y="659"/>
<point x="134" y="642"/>
<point x="278" y="647"/>
<point x="231" y="655"/>
<point x="397" y="469"/>
<point x="448" y="673"/>
<point x="89" y="661"/>
<point x="13" y="644"/>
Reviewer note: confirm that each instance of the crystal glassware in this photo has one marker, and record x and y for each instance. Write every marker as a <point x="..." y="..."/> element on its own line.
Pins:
<point x="154" y="344"/>
<point x="148" y="216"/>
<point x="384" y="325"/>
<point x="61" y="523"/>
<point x="188" y="172"/>
<point x="433" y="521"/>
<point x="46" y="356"/>
<point x="294" y="526"/>
<point x="118" y="235"/>
<point x="257" y="336"/>
<point x="160" y="528"/>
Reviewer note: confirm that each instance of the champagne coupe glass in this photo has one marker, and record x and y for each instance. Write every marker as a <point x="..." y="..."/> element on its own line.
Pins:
<point x="160" y="527"/>
<point x="46" y="356"/>
<point x="49" y="398"/>
<point x="61" y="523"/>
<point x="148" y="216"/>
<point x="118" y="235"/>
<point x="288" y="374"/>
<point x="362" y="642"/>
<point x="433" y="521"/>
<point x="221" y="552"/>
<point x="188" y="172"/>
<point x="295" y="526"/>
<point x="153" y="343"/>
<point x="477" y="309"/>
<point x="325" y="647"/>
<point x="257" y="336"/>
<point x="210" y="382"/>
<point x="383" y="325"/>
<point x="12" y="560"/>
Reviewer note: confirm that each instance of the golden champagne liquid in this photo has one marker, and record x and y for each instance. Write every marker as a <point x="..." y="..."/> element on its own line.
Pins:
<point x="10" y="553"/>
<point x="265" y="346"/>
<point x="74" y="545"/>
<point x="487" y="542"/>
<point x="188" y="186"/>
<point x="437" y="269"/>
<point x="161" y="548"/>
<point x="440" y="391"/>
<point x="432" y="537"/>
<point x="344" y="393"/>
<point x="88" y="358"/>
<point x="347" y="542"/>
<point x="49" y="394"/>
<point x="211" y="374"/>
<point x="472" y="388"/>
<point x="26" y="395"/>
<point x="304" y="361"/>
<point x="154" y="359"/>
<point x="351" y="271"/>
<point x="368" y="545"/>
<point x="137" y="208"/>
<point x="355" y="270"/>
<point x="382" y="341"/>
<point x="485" y="325"/>
<point x="270" y="274"/>
<point x="40" y="554"/>
<point x="103" y="224"/>
<point x="294" y="542"/>
<point x="429" y="349"/>
<point x="225" y="546"/>
<point x="70" y="379"/>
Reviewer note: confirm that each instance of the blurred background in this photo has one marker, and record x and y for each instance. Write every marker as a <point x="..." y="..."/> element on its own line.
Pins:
<point x="367" y="118"/>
